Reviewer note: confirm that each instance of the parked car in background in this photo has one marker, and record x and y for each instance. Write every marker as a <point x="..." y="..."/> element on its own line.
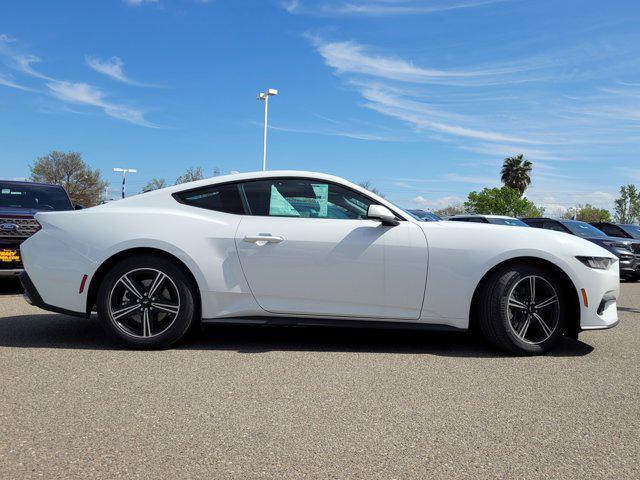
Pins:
<point x="303" y="248"/>
<point x="622" y="230"/>
<point x="19" y="202"/>
<point x="494" y="219"/>
<point x="423" y="215"/>
<point x="624" y="248"/>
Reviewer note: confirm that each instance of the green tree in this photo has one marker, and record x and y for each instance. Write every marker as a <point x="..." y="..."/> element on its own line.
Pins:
<point x="501" y="201"/>
<point x="627" y="206"/>
<point x="367" y="185"/>
<point x="588" y="213"/>
<point x="154" y="184"/>
<point x="450" y="210"/>
<point x="84" y="185"/>
<point x="190" y="175"/>
<point x="516" y="173"/>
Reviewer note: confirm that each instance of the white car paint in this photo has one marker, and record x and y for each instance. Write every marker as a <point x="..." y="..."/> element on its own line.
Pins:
<point x="424" y="272"/>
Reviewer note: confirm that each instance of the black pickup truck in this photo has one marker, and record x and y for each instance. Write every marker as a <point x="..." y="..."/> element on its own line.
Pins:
<point x="19" y="202"/>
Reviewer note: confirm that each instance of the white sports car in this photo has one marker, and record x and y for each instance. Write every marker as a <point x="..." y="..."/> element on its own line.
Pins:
<point x="307" y="248"/>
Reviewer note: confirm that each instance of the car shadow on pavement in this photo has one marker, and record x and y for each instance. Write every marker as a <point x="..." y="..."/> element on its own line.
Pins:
<point x="10" y="286"/>
<point x="628" y="309"/>
<point x="61" y="331"/>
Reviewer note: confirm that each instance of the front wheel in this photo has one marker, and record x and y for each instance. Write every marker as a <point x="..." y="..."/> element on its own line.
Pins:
<point x="522" y="309"/>
<point x="146" y="302"/>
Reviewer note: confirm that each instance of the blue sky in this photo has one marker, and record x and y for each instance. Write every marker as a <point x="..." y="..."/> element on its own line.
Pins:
<point x="423" y="98"/>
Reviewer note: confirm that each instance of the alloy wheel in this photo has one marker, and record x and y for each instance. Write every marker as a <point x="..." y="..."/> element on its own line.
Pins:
<point x="144" y="303"/>
<point x="533" y="309"/>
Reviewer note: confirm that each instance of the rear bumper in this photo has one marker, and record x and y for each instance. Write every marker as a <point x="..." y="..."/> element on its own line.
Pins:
<point x="32" y="297"/>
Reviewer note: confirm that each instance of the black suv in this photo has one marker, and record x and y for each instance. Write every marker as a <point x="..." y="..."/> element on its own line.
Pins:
<point x="19" y="202"/>
<point x="622" y="230"/>
<point x="623" y="248"/>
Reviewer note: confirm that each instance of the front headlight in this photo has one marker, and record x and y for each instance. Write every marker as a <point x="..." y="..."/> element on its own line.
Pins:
<point x="601" y="263"/>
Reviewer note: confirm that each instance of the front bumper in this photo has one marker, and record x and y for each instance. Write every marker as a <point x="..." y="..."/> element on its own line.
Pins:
<point x="10" y="272"/>
<point x="32" y="297"/>
<point x="602" y="288"/>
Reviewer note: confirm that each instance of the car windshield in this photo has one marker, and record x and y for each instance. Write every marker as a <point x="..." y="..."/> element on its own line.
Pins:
<point x="33" y="197"/>
<point x="583" y="229"/>
<point x="633" y="230"/>
<point x="507" y="221"/>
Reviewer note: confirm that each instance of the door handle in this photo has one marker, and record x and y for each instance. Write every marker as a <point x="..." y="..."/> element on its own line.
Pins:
<point x="263" y="239"/>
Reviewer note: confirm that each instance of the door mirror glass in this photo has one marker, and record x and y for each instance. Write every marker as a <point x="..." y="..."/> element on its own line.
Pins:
<point x="383" y="214"/>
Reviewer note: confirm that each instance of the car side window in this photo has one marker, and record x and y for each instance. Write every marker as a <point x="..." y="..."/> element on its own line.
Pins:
<point x="221" y="198"/>
<point x="554" y="226"/>
<point x="612" y="230"/>
<point x="305" y="198"/>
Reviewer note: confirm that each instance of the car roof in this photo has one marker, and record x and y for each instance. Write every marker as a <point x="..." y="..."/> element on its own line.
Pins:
<point x="248" y="176"/>
<point x="38" y="184"/>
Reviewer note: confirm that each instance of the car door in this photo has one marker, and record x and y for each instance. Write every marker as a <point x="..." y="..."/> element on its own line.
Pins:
<point x="307" y="248"/>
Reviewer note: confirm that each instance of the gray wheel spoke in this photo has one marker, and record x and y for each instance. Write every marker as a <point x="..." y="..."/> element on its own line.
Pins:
<point x="543" y="325"/>
<point x="522" y="332"/>
<point x="517" y="304"/>
<point x="548" y="301"/>
<point x="166" y="307"/>
<point x="128" y="284"/>
<point x="532" y="288"/>
<point x="157" y="281"/>
<point x="146" y="323"/>
<point x="124" y="312"/>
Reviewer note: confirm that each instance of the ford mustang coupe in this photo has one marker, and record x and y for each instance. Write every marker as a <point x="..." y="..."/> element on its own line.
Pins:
<point x="307" y="248"/>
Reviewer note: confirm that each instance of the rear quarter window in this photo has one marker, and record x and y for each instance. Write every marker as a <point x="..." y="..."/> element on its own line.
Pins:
<point x="219" y="198"/>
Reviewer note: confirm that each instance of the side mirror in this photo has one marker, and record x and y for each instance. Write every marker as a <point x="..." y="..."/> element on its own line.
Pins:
<point x="383" y="214"/>
<point x="77" y="207"/>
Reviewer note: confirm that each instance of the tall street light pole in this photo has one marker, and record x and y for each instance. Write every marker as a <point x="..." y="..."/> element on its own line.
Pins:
<point x="265" y="97"/>
<point x="124" y="172"/>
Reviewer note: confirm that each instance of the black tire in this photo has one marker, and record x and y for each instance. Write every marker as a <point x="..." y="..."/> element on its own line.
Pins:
<point x="176" y="292"/>
<point x="496" y="316"/>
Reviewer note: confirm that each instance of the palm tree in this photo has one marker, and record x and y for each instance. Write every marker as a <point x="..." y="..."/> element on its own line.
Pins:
<point x="516" y="173"/>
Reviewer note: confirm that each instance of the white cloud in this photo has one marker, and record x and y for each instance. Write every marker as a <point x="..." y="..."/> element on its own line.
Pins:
<point x="7" y="82"/>
<point x="381" y="7"/>
<point x="351" y="57"/>
<point x="137" y="3"/>
<point x="79" y="93"/>
<point x="84" y="94"/>
<point x="291" y="6"/>
<point x="336" y="133"/>
<point x="424" y="116"/>
<point x="434" y="204"/>
<point x="24" y="62"/>
<point x="112" y="67"/>
<point x="485" y="181"/>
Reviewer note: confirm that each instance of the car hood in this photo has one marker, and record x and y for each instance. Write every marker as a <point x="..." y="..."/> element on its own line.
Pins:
<point x="624" y="241"/>
<point x="7" y="211"/>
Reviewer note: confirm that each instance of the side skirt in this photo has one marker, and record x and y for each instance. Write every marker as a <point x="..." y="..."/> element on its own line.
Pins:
<point x="320" y="322"/>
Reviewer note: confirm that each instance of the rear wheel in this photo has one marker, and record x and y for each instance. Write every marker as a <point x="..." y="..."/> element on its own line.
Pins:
<point x="522" y="309"/>
<point x="146" y="302"/>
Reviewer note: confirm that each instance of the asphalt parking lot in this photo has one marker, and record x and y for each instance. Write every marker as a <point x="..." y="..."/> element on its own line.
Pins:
<point x="248" y="402"/>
